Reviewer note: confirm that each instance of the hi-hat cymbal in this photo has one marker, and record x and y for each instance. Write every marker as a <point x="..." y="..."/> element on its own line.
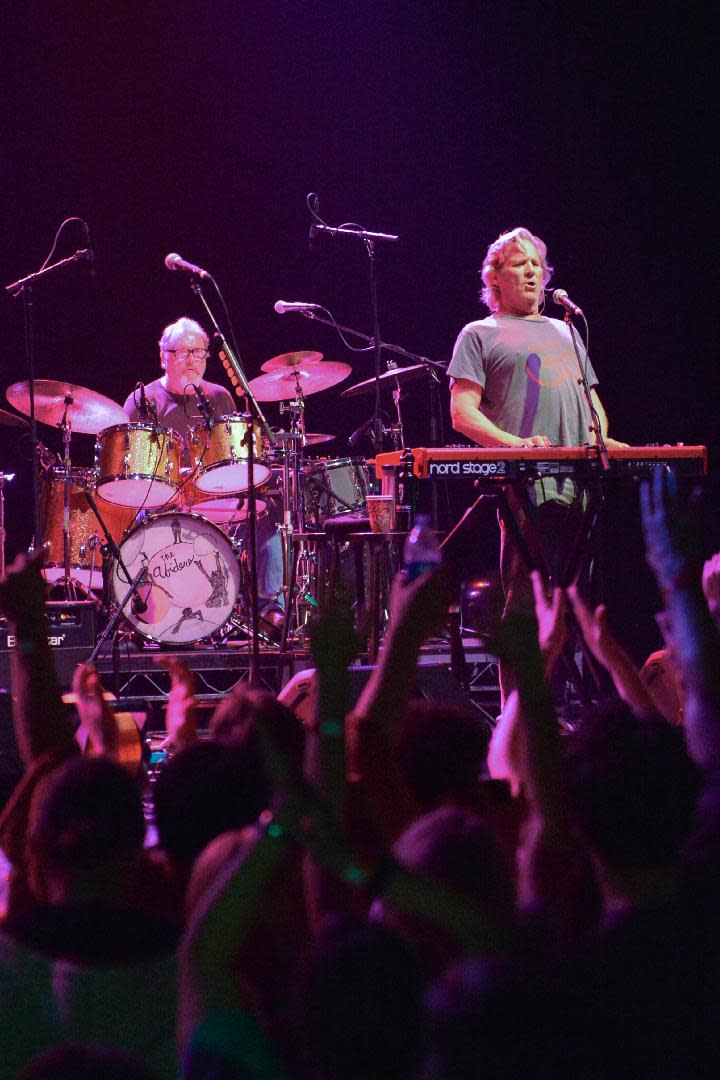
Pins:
<point x="314" y="438"/>
<point x="403" y="374"/>
<point x="303" y="358"/>
<point x="88" y="412"/>
<point x="283" y="385"/>
<point x="10" y="419"/>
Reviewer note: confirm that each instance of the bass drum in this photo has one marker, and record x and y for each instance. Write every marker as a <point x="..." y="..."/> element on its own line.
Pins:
<point x="190" y="581"/>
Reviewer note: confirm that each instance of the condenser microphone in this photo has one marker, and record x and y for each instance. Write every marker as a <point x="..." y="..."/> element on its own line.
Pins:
<point x="281" y="306"/>
<point x="561" y="298"/>
<point x="173" y="261"/>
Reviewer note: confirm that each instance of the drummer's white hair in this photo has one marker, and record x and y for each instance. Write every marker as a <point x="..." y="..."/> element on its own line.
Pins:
<point x="182" y="325"/>
<point x="495" y="257"/>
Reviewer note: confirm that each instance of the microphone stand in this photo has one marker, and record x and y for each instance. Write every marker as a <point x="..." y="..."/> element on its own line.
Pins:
<point x="583" y="381"/>
<point x="431" y="368"/>
<point x="256" y="414"/>
<point x="23" y="287"/>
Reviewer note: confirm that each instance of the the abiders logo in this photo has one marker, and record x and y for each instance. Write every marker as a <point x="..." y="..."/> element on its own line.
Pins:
<point x="466" y="468"/>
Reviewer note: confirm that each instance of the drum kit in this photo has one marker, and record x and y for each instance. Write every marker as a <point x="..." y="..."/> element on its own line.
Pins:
<point x="174" y="506"/>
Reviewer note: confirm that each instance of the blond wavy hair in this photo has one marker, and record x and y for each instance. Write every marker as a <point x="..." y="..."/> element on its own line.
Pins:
<point x="495" y="257"/>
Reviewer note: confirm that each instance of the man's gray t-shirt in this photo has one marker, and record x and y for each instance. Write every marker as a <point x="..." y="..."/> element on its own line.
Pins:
<point x="177" y="411"/>
<point x="529" y="373"/>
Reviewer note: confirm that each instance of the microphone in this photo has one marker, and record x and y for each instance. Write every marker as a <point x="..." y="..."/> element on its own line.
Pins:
<point x="173" y="261"/>
<point x="143" y="407"/>
<point x="204" y="405"/>
<point x="281" y="306"/>
<point x="89" y="253"/>
<point x="359" y="432"/>
<point x="561" y="298"/>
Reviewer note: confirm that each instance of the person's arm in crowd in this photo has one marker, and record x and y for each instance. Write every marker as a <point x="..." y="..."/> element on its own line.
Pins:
<point x="41" y="721"/>
<point x="608" y="651"/>
<point x="552" y="870"/>
<point x="711" y="586"/>
<point x="672" y="549"/>
<point x="181" y="711"/>
<point x="334" y="645"/>
<point x="506" y="744"/>
<point x="465" y="398"/>
<point x="417" y="609"/>
<point x="98" y="730"/>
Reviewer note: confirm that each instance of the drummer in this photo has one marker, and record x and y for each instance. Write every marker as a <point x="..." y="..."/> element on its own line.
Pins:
<point x="183" y="358"/>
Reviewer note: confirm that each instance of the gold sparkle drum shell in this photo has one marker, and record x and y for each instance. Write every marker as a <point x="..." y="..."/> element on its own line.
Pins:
<point x="138" y="465"/>
<point x="219" y="453"/>
<point x="86" y="535"/>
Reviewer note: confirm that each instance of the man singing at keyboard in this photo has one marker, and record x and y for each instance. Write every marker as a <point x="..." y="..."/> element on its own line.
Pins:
<point x="515" y="382"/>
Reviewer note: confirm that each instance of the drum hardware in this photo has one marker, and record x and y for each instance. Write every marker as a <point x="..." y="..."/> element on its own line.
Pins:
<point x="4" y="478"/>
<point x="241" y="384"/>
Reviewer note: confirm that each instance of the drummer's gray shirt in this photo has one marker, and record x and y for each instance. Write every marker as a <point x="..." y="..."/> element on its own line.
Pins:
<point x="529" y="373"/>
<point x="177" y="411"/>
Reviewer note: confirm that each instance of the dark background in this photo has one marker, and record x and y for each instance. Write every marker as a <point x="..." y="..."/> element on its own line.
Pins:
<point x="201" y="127"/>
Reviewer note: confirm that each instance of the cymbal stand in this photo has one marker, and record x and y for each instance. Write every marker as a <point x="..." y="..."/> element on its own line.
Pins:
<point x="71" y="587"/>
<point x="3" y="478"/>
<point x="293" y="510"/>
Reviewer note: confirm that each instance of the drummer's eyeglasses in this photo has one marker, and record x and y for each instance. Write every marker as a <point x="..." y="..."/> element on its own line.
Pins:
<point x="182" y="354"/>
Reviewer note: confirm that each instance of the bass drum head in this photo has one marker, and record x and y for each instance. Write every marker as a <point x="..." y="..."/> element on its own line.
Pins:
<point x="191" y="578"/>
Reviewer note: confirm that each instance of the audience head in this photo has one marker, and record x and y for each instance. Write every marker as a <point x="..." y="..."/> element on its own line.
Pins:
<point x="362" y="1004"/>
<point x="86" y="815"/>
<point x="203" y="791"/>
<point x="452" y="846"/>
<point x="442" y="751"/>
<point x="633" y="788"/>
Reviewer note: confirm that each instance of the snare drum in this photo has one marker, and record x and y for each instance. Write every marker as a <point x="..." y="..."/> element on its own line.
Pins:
<point x="138" y="465"/>
<point x="190" y="582"/>
<point x="86" y="535"/>
<point x="219" y="454"/>
<point x="331" y="488"/>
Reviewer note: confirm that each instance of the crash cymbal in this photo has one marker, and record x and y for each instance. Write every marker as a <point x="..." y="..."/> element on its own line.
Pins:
<point x="9" y="419"/>
<point x="283" y="384"/>
<point x="387" y="379"/>
<point x="304" y="358"/>
<point x="88" y="412"/>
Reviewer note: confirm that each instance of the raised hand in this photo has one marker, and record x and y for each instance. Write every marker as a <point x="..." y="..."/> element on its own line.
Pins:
<point x="180" y="714"/>
<point x="98" y="726"/>
<point x="23" y="590"/>
<point x="550" y="614"/>
<point x="711" y="585"/>
<point x="671" y="531"/>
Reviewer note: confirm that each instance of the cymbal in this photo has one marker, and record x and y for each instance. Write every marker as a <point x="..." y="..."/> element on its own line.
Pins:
<point x="89" y="412"/>
<point x="282" y="385"/>
<point x="286" y="360"/>
<point x="314" y="438"/>
<point x="11" y="419"/>
<point x="404" y="374"/>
